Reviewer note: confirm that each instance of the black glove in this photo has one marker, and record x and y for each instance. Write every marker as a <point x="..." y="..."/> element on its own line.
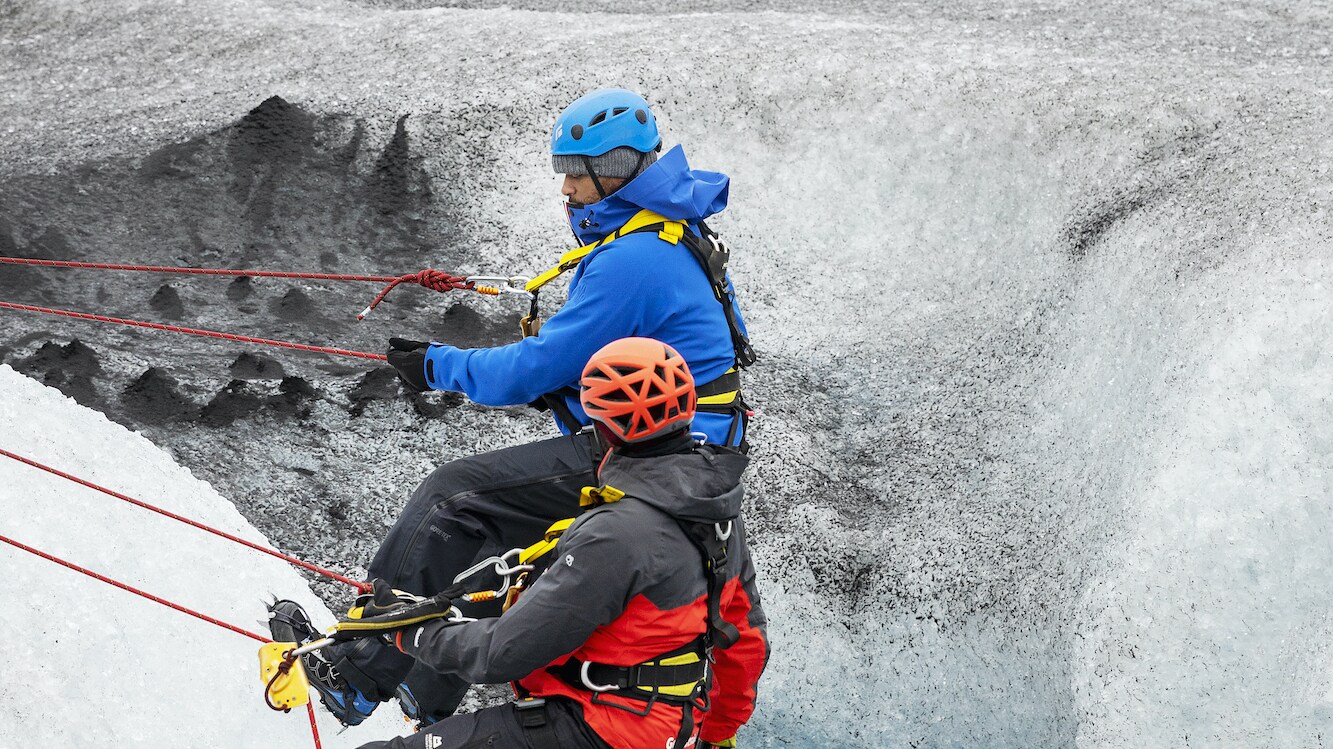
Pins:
<point x="409" y="358"/>
<point x="386" y="611"/>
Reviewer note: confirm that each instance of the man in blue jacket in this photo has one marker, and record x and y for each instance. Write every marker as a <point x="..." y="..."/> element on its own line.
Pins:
<point x="646" y="270"/>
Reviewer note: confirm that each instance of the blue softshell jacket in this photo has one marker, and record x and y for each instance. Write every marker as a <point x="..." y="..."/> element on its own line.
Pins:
<point x="638" y="285"/>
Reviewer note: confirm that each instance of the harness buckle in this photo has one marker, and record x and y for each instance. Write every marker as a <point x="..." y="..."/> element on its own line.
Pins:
<point x="529" y="703"/>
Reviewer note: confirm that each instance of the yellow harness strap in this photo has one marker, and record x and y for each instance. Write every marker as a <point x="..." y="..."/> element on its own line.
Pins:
<point x="595" y="496"/>
<point x="671" y="232"/>
<point x="721" y="399"/>
<point x="544" y="546"/>
<point x="535" y="552"/>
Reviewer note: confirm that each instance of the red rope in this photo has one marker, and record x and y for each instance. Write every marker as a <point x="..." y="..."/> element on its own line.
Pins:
<point x="314" y="730"/>
<point x="362" y="587"/>
<point x="431" y="279"/>
<point x="193" y="331"/>
<point x="133" y="590"/>
<point x="310" y="710"/>
<point x="197" y="271"/>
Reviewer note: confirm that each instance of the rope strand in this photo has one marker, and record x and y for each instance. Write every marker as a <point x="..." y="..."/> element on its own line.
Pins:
<point x="132" y="589"/>
<point x="429" y="278"/>
<point x="310" y="709"/>
<point x="361" y="587"/>
<point x="193" y="331"/>
<point x="195" y="271"/>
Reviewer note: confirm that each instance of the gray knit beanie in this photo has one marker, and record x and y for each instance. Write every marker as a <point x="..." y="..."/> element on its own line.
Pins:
<point x="618" y="162"/>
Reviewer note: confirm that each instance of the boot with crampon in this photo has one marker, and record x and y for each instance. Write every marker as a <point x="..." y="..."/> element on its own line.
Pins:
<point x="288" y="622"/>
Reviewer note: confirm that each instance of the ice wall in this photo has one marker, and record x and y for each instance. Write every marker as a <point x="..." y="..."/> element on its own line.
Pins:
<point x="1042" y="290"/>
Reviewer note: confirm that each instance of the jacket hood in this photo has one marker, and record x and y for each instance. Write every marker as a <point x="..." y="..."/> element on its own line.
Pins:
<point x="702" y="486"/>
<point x="669" y="187"/>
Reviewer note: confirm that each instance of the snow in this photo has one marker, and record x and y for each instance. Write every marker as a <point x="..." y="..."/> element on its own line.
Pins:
<point x="88" y="663"/>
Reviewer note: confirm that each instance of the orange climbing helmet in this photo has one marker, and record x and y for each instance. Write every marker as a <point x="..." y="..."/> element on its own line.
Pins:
<point x="638" y="389"/>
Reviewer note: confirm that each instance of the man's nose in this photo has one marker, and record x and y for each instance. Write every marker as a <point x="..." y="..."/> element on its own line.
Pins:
<point x="567" y="189"/>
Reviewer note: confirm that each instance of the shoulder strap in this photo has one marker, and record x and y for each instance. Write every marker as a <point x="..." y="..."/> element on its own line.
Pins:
<point x="711" y="541"/>
<point x="713" y="256"/>
<point x="670" y="231"/>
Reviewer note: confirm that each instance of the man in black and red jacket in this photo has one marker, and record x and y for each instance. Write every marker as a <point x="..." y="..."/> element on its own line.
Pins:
<point x="646" y="631"/>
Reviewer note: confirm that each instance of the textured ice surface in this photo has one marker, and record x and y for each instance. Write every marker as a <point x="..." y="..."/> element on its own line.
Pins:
<point x="87" y="663"/>
<point x="1042" y="290"/>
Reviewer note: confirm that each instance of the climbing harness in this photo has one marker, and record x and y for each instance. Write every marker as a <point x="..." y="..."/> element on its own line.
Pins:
<point x="709" y="250"/>
<point x="721" y="395"/>
<point x="681" y="677"/>
<point x="645" y="220"/>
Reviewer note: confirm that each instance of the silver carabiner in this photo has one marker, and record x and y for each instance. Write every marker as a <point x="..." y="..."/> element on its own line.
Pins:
<point x="502" y="569"/>
<point x="721" y="534"/>
<point x="504" y="284"/>
<point x="456" y="617"/>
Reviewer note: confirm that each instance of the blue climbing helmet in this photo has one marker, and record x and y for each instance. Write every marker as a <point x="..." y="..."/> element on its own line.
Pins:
<point x="610" y="132"/>
<point x="602" y="120"/>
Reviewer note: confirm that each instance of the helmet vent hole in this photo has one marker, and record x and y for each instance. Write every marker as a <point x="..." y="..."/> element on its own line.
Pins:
<point x="619" y="111"/>
<point x="641" y="116"/>
<point x="599" y="118"/>
<point x="660" y="373"/>
<point x="658" y="413"/>
<point x="576" y="132"/>
<point x="625" y="371"/>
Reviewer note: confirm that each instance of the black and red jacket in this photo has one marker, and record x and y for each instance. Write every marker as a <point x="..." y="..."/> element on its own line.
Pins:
<point x="627" y="585"/>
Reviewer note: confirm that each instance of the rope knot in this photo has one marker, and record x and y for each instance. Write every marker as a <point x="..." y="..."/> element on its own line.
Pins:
<point x="440" y="281"/>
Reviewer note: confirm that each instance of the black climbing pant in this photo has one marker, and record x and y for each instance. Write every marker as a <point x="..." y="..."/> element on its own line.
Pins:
<point x="466" y="510"/>
<point x="558" y="724"/>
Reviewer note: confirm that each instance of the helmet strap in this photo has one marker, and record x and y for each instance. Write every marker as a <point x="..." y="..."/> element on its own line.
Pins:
<point x="587" y="164"/>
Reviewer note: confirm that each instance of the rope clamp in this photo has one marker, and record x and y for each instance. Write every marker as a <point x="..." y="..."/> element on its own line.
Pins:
<point x="285" y="682"/>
